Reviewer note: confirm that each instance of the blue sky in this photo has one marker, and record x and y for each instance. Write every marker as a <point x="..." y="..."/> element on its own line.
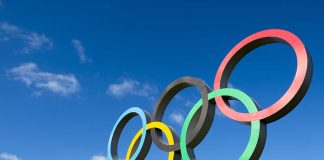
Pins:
<point x="70" y="68"/>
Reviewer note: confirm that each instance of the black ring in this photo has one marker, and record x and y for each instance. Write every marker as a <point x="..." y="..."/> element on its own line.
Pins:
<point x="202" y="121"/>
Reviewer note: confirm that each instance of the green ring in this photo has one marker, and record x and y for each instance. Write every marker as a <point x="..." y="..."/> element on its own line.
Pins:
<point x="251" y="107"/>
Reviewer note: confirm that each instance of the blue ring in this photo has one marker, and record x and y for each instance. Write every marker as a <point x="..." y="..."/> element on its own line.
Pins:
<point x="126" y="114"/>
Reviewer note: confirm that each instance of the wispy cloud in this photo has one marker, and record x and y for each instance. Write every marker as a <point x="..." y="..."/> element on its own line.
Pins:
<point x="78" y="46"/>
<point x="32" y="41"/>
<point x="7" y="156"/>
<point x="35" y="41"/>
<point x="176" y="117"/>
<point x="98" y="157"/>
<point x="31" y="75"/>
<point x="1" y="3"/>
<point x="230" y="85"/>
<point x="131" y="87"/>
<point x="189" y="103"/>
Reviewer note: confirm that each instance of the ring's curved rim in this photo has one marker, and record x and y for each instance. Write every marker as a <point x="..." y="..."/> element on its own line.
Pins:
<point x="168" y="131"/>
<point x="258" y="134"/>
<point x="199" y="127"/>
<point x="293" y="95"/>
<point x="143" y="145"/>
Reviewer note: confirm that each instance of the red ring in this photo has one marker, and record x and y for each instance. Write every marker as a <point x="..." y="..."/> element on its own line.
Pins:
<point x="293" y="95"/>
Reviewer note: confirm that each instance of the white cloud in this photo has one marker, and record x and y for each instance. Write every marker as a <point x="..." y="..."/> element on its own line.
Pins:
<point x="131" y="87"/>
<point x="32" y="41"/>
<point x="177" y="118"/>
<point x="7" y="156"/>
<point x="230" y="85"/>
<point x="77" y="45"/>
<point x="98" y="157"/>
<point x="35" y="41"/>
<point x="31" y="75"/>
<point x="189" y="103"/>
<point x="8" y="30"/>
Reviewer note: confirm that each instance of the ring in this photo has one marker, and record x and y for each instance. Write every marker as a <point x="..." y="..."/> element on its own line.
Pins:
<point x="258" y="129"/>
<point x="165" y="129"/>
<point x="199" y="127"/>
<point x="145" y="142"/>
<point x="293" y="95"/>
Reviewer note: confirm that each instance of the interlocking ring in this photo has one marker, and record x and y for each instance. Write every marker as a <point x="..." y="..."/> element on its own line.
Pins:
<point x="294" y="94"/>
<point x="200" y="117"/>
<point x="169" y="133"/>
<point x="200" y="125"/>
<point x="145" y="141"/>
<point x="258" y="129"/>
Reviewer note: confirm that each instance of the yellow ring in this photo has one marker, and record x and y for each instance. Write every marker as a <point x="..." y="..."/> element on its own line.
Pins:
<point x="159" y="125"/>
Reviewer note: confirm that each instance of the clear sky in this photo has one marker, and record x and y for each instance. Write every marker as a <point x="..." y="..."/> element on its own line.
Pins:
<point x="69" y="69"/>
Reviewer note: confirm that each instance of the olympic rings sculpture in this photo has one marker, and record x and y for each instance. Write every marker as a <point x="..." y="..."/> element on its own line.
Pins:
<point x="200" y="118"/>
